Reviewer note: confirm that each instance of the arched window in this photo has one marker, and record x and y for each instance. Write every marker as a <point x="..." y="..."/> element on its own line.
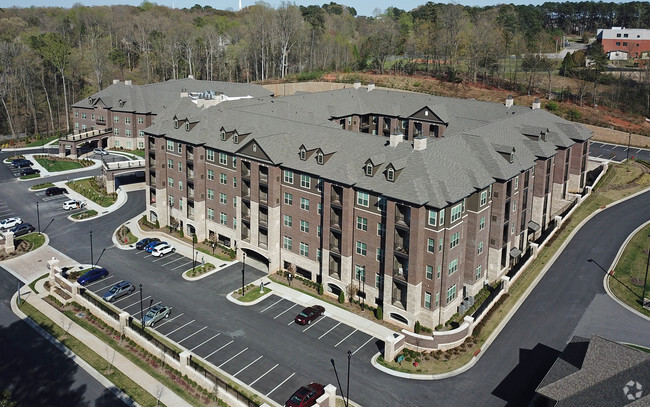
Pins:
<point x="512" y="157"/>
<point x="187" y="126"/>
<point x="390" y="174"/>
<point x="235" y="138"/>
<point x="319" y="158"/>
<point x="223" y="135"/>
<point x="175" y="123"/>
<point x="303" y="154"/>
<point x="369" y="169"/>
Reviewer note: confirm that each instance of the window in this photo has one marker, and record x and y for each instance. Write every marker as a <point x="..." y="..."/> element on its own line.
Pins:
<point x="305" y="181"/>
<point x="379" y="255"/>
<point x="170" y="145"/>
<point x="210" y="214"/>
<point x="116" y="131"/>
<point x="127" y="120"/>
<point x="439" y="271"/>
<point x="141" y="134"/>
<point x="319" y="231"/>
<point x="478" y="272"/>
<point x="377" y="280"/>
<point x="140" y="120"/>
<point x="516" y="182"/>
<point x="234" y="162"/>
<point x="83" y="127"/>
<point x="390" y="174"/>
<point x="234" y="182"/>
<point x="380" y="229"/>
<point x="437" y="299"/>
<point x="456" y="211"/>
<point x="362" y="223"/>
<point x="288" y="221"/>
<point x="359" y="272"/>
<point x="234" y="201"/>
<point x="223" y="198"/>
<point x="429" y="272"/>
<point x="512" y="229"/>
<point x="116" y="119"/>
<point x="180" y="166"/>
<point x="187" y="126"/>
<point x="361" y="248"/>
<point x="180" y="148"/>
<point x="454" y="239"/>
<point x="362" y="198"/>
<point x="223" y="158"/>
<point x="76" y="114"/>
<point x="618" y="43"/>
<point x="223" y="178"/>
<point x="451" y="293"/>
<point x="304" y="249"/>
<point x="223" y="135"/>
<point x="288" y="176"/>
<point x="211" y="175"/>
<point x="483" y="197"/>
<point x="479" y="248"/>
<point x="433" y="216"/>
<point x="381" y="203"/>
<point x="209" y="155"/>
<point x="431" y="244"/>
<point x="180" y="185"/>
<point x="83" y="115"/>
<point x="223" y="218"/>
<point x="286" y="243"/>
<point x="210" y="193"/>
<point x="440" y="243"/>
<point x="303" y="154"/>
<point x="441" y="220"/>
<point x="318" y="254"/>
<point x="369" y="170"/>
<point x="319" y="158"/>
<point x="170" y="163"/>
<point x="76" y="125"/>
<point x="427" y="300"/>
<point x="453" y="266"/>
<point x="514" y="206"/>
<point x="304" y="226"/>
<point x="304" y="204"/>
<point x="288" y="199"/>
<point x="170" y="182"/>
<point x="319" y="208"/>
<point x="481" y="223"/>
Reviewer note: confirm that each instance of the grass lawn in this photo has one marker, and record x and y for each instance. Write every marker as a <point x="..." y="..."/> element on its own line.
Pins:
<point x="85" y="214"/>
<point x="139" y="153"/>
<point x="32" y="285"/>
<point x="42" y="186"/>
<point x="34" y="238"/>
<point x="91" y="190"/>
<point x="38" y="143"/>
<point x="30" y="176"/>
<point x="54" y="165"/>
<point x="630" y="272"/>
<point x="122" y="381"/>
<point x="252" y="293"/>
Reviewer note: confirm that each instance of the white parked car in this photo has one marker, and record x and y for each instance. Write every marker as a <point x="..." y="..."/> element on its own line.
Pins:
<point x="9" y="223"/>
<point x="163" y="249"/>
<point x="100" y="151"/>
<point x="73" y="204"/>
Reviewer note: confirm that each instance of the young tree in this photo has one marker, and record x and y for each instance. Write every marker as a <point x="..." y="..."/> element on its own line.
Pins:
<point x="288" y="26"/>
<point x="598" y="60"/>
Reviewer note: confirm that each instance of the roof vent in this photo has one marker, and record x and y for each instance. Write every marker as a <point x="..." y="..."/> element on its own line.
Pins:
<point x="396" y="137"/>
<point x="371" y="86"/>
<point x="509" y="101"/>
<point x="419" y="143"/>
<point x="357" y="85"/>
<point x="537" y="104"/>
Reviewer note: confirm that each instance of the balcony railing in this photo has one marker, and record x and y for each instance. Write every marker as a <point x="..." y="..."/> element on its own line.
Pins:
<point x="190" y="173"/>
<point x="264" y="219"/>
<point x="264" y="197"/>
<point x="264" y="177"/>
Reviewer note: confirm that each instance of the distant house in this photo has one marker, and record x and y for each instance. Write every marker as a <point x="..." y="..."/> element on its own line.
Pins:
<point x="620" y="43"/>
<point x="596" y="372"/>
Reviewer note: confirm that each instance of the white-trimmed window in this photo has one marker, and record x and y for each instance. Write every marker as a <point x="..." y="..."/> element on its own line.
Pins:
<point x="359" y="272"/>
<point x="478" y="272"/>
<point x="319" y="158"/>
<point x="454" y="239"/>
<point x="319" y="231"/>
<point x="140" y="120"/>
<point x="451" y="293"/>
<point x="223" y="158"/>
<point x="288" y="198"/>
<point x="479" y="248"/>
<point x="303" y="154"/>
<point x="187" y="126"/>
<point x="180" y="185"/>
<point x="210" y="193"/>
<point x="141" y="134"/>
<point x="437" y="299"/>
<point x="431" y="245"/>
<point x="288" y="176"/>
<point x="390" y="174"/>
<point x="514" y="206"/>
<point x="180" y="166"/>
<point x="116" y="119"/>
<point x="170" y="163"/>
<point x="304" y="249"/>
<point x="441" y="217"/>
<point x="362" y="248"/>
<point x="362" y="198"/>
<point x="180" y="148"/>
<point x="379" y="255"/>
<point x="223" y="135"/>
<point x="380" y="229"/>
<point x="439" y="271"/>
<point x="481" y="223"/>
<point x="209" y="155"/>
<point x="453" y="266"/>
<point x="483" y="198"/>
<point x="286" y="243"/>
<point x="127" y="120"/>
<point x="429" y="271"/>
<point x="427" y="300"/>
<point x="304" y="226"/>
<point x="223" y="219"/>
<point x="433" y="217"/>
<point x="210" y="214"/>
<point x="170" y="145"/>
<point x="381" y="203"/>
<point x="362" y="223"/>
<point x="116" y="131"/>
<point x="304" y="204"/>
<point x="369" y="170"/>
<point x="305" y="181"/>
<point x="223" y="178"/>
<point x="319" y="208"/>
<point x="170" y="182"/>
<point x="223" y="198"/>
<point x="288" y="221"/>
<point x="456" y="212"/>
<point x="211" y="175"/>
<point x="127" y="132"/>
<point x="516" y="182"/>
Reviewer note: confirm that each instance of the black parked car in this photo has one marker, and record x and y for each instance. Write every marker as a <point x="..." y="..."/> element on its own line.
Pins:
<point x="21" y="163"/>
<point x="142" y="243"/>
<point x="22" y="229"/>
<point x="55" y="191"/>
<point x="29" y="171"/>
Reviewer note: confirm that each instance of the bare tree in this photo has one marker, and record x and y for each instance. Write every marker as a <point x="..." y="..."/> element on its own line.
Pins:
<point x="288" y="25"/>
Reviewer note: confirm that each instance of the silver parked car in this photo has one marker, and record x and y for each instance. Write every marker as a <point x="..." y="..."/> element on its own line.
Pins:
<point x="155" y="314"/>
<point x="118" y="290"/>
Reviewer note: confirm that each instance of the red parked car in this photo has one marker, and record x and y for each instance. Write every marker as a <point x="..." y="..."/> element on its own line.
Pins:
<point x="309" y="314"/>
<point x="306" y="395"/>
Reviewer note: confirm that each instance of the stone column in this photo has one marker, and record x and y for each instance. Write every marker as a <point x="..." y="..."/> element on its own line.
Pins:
<point x="124" y="321"/>
<point x="9" y="242"/>
<point x="185" y="360"/>
<point x="393" y="345"/>
<point x="329" y="398"/>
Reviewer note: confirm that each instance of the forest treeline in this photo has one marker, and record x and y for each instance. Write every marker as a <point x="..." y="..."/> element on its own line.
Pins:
<point x="51" y="57"/>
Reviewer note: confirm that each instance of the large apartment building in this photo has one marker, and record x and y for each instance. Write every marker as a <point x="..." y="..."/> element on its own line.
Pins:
<point x="415" y="200"/>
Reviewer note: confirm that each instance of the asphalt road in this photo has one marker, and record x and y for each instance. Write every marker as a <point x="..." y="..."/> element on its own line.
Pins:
<point x="260" y="346"/>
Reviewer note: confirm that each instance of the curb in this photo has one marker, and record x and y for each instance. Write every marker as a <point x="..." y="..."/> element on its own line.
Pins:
<point x="248" y="304"/>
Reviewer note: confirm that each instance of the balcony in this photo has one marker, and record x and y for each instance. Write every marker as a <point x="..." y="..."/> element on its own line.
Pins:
<point x="190" y="193"/>
<point x="264" y="176"/>
<point x="400" y="270"/>
<point x="190" y="173"/>
<point x="264" y="218"/>
<point x="246" y="212"/>
<point x="246" y="170"/>
<point x="264" y="196"/>
<point x="335" y="268"/>
<point x="337" y="196"/>
<point x="401" y="248"/>
<point x="335" y="219"/>
<point x="402" y="216"/>
<point x="189" y="155"/>
<point x="263" y="241"/>
<point x="399" y="294"/>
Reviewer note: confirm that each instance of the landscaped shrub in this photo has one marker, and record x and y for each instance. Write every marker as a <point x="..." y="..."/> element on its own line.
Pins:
<point x="157" y="224"/>
<point x="379" y="313"/>
<point x="341" y="297"/>
<point x="418" y="328"/>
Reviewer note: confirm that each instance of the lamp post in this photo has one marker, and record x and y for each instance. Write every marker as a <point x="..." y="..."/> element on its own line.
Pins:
<point x="141" y="309"/>
<point x="339" y="382"/>
<point x="614" y="277"/>
<point x="629" y="139"/>
<point x="242" y="274"/>
<point x="645" y="280"/>
<point x="193" y="254"/>
<point x="92" y="262"/>
<point x="171" y="205"/>
<point x="348" y="389"/>
<point x="38" y="218"/>
<point x="363" y="299"/>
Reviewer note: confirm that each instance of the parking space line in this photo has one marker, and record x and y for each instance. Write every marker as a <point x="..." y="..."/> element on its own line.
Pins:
<point x="329" y="330"/>
<point x="98" y="281"/>
<point x="244" y="368"/>
<point x="158" y="259"/>
<point x="220" y="349"/>
<point x="106" y="287"/>
<point x="173" y="261"/>
<point x="234" y="356"/>
<point x="345" y="338"/>
<point x="271" y="305"/>
<point x="182" y="265"/>
<point x="614" y="148"/>
<point x="203" y="343"/>
<point x="170" y="320"/>
<point x="180" y="327"/>
<point x="267" y="372"/>
<point x="276" y="387"/>
<point x="638" y="151"/>
<point x="187" y="337"/>
<point x="136" y="303"/>
<point x="288" y="309"/>
<point x="127" y="296"/>
<point x="310" y="325"/>
<point x="368" y="341"/>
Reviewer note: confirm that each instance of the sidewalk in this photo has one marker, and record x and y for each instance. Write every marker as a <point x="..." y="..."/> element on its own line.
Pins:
<point x="24" y="268"/>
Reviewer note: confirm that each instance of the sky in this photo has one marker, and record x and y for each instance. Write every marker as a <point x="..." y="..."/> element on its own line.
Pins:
<point x="363" y="7"/>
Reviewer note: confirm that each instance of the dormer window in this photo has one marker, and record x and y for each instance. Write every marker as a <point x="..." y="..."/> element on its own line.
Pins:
<point x="512" y="157"/>
<point x="390" y="174"/>
<point x="303" y="153"/>
<point x="175" y="123"/>
<point x="319" y="158"/>
<point x="235" y="138"/>
<point x="187" y="126"/>
<point x="369" y="169"/>
<point x="223" y="135"/>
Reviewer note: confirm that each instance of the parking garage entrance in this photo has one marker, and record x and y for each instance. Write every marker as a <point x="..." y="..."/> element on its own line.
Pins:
<point x="256" y="260"/>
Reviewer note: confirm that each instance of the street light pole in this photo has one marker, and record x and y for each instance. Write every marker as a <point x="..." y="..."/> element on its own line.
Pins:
<point x="339" y="382"/>
<point x="348" y="389"/>
<point x="38" y="218"/>
<point x="645" y="280"/>
<point x="614" y="277"/>
<point x="141" y="309"/>
<point x="242" y="274"/>
<point x="171" y="205"/>
<point x="92" y="262"/>
<point x="193" y="254"/>
<point x="629" y="139"/>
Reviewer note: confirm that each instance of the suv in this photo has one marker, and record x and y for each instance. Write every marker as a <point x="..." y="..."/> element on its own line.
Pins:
<point x="73" y="204"/>
<point x="21" y="162"/>
<point x="22" y="229"/>
<point x="29" y="171"/>
<point x="162" y="249"/>
<point x="92" y="275"/>
<point x="9" y="223"/>
<point x="100" y="151"/>
<point x="55" y="191"/>
<point x="118" y="290"/>
<point x="144" y="242"/>
<point x="155" y="314"/>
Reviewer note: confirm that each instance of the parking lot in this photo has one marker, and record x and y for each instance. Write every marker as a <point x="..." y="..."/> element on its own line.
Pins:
<point x="232" y="350"/>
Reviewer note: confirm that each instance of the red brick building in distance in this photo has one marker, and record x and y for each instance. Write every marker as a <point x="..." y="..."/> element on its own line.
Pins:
<point x="624" y="43"/>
